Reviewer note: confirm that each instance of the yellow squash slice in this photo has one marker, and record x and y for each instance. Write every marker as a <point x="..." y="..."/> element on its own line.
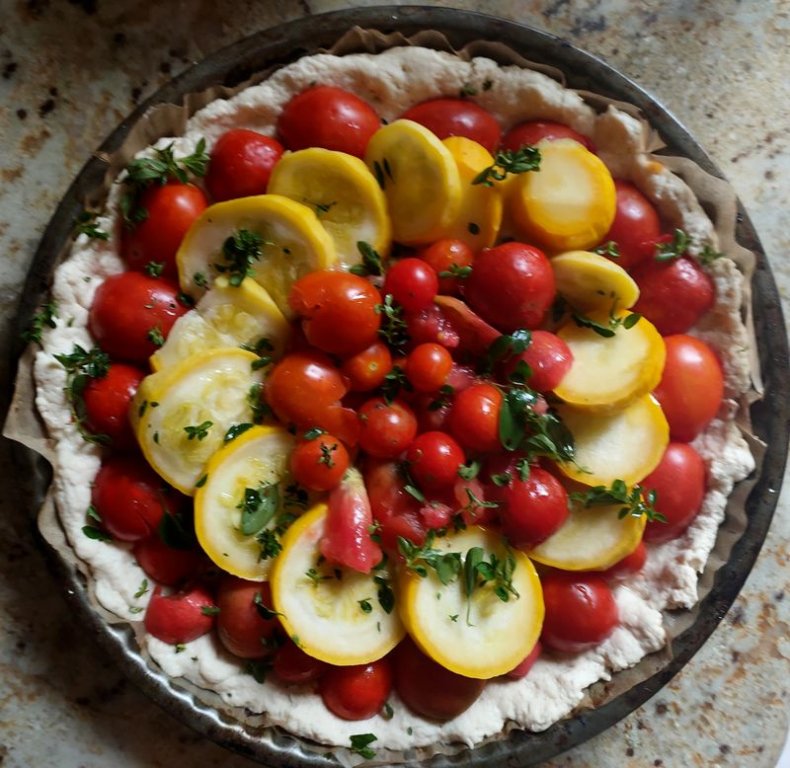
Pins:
<point x="291" y="239"/>
<point x="242" y="497"/>
<point x="226" y="316"/>
<point x="181" y="414"/>
<point x="589" y="281"/>
<point x="333" y="614"/>
<point x="344" y="194"/>
<point x="420" y="180"/>
<point x="609" y="372"/>
<point x="480" y="635"/>
<point x="624" y="445"/>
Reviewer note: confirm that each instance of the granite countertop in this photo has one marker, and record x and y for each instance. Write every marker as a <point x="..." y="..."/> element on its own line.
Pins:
<point x="70" y="71"/>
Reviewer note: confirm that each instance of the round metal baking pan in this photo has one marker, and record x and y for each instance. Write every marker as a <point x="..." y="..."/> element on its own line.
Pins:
<point x="770" y="416"/>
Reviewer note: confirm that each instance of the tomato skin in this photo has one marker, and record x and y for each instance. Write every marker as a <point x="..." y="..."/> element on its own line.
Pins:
<point x="319" y="464"/>
<point x="131" y="498"/>
<point x="386" y="429"/>
<point x="429" y="689"/>
<point x="532" y="509"/>
<point x="456" y="117"/>
<point x="444" y="254"/>
<point x="172" y="208"/>
<point x="580" y="611"/>
<point x="413" y="284"/>
<point x="126" y="308"/>
<point x="511" y="286"/>
<point x="179" y="618"/>
<point x="691" y="388"/>
<point x="629" y="565"/>
<point x="294" y="667"/>
<point x="366" y="369"/>
<point x="241" y="163"/>
<point x="338" y="311"/>
<point x="434" y="459"/>
<point x="679" y="481"/>
<point x="548" y="356"/>
<point x="523" y="667"/>
<point x="240" y="626"/>
<point x="533" y="131"/>
<point x="392" y="507"/>
<point x="107" y="404"/>
<point x="431" y="324"/>
<point x="357" y="692"/>
<point x="673" y="295"/>
<point x="328" y="117"/>
<point x="635" y="228"/>
<point x="474" y="418"/>
<point x="164" y="564"/>
<point x="428" y="366"/>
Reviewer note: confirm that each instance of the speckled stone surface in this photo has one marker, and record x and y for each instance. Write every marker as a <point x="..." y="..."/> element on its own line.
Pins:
<point x="69" y="71"/>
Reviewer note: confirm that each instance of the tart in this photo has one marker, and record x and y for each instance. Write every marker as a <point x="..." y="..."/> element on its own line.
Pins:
<point x="200" y="377"/>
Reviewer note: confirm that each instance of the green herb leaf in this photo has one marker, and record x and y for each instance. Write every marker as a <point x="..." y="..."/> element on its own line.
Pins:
<point x="360" y="743"/>
<point x="81" y="367"/>
<point x="393" y="326"/>
<point x="507" y="161"/>
<point x="264" y="611"/>
<point x="154" y="268"/>
<point x="142" y="589"/>
<point x="385" y="594"/>
<point x="210" y="610"/>
<point x="235" y="430"/>
<point x="258" y="507"/>
<point x="198" y="431"/>
<point x="85" y="224"/>
<point x="609" y="248"/>
<point x="92" y="532"/>
<point x="45" y="317"/>
<point x="635" y="501"/>
<point x="240" y="251"/>
<point x="675" y="249"/>
<point x="371" y="263"/>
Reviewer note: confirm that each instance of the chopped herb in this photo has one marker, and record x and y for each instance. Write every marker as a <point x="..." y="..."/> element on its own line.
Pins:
<point x="201" y="482"/>
<point x="210" y="610"/>
<point x="469" y="471"/>
<point x="609" y="248"/>
<point x="371" y="263"/>
<point x="313" y="433"/>
<point x="136" y="609"/>
<point x="507" y="346"/>
<point x="635" y="502"/>
<point x="365" y="606"/>
<point x="175" y="531"/>
<point x="709" y="254"/>
<point x="93" y="514"/>
<point x="461" y="273"/>
<point x="394" y="381"/>
<point x="467" y="89"/>
<point x="235" y="430"/>
<point x="610" y="328"/>
<point x="507" y="161"/>
<point x="270" y="544"/>
<point x="360" y="743"/>
<point x="315" y="576"/>
<point x="384" y="595"/>
<point x="85" y="224"/>
<point x="81" y="367"/>
<point x="180" y="647"/>
<point x="387" y="712"/>
<point x="154" y="268"/>
<point x="674" y="249"/>
<point x="155" y="336"/>
<point x="200" y="280"/>
<point x="326" y="454"/>
<point x="185" y="300"/>
<point x="260" y="410"/>
<point x="264" y="611"/>
<point x="240" y="251"/>
<point x="415" y="493"/>
<point x="258" y="507"/>
<point x="501" y="479"/>
<point x="393" y="326"/>
<point x="453" y="617"/>
<point x="198" y="431"/>
<point x="446" y="391"/>
<point x="142" y="589"/>
<point x="446" y="565"/>
<point x="92" y="532"/>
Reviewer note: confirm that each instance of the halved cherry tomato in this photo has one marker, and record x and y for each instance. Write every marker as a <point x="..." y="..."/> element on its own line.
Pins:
<point x="171" y="208"/>
<point x="396" y="511"/>
<point x="165" y="564"/>
<point x="636" y="226"/>
<point x="131" y="498"/>
<point x="319" y="463"/>
<point x="580" y="611"/>
<point x="366" y="369"/>
<point x="448" y="255"/>
<point x="293" y="666"/>
<point x="549" y="358"/>
<point x="241" y="164"/>
<point x="107" y="404"/>
<point x="338" y="310"/>
<point x="428" y="688"/>
<point x="413" y="284"/>
<point x="456" y="117"/>
<point x="359" y="691"/>
<point x="132" y="314"/>
<point x="328" y="117"/>
<point x="181" y="617"/>
<point x="691" y="388"/>
<point x="674" y="294"/>
<point x="431" y="324"/>
<point x="533" y="131"/>
<point x="679" y="481"/>
<point x="474" y="418"/>
<point x="434" y="459"/>
<point x="246" y="624"/>
<point x="386" y="429"/>
<point x="428" y="366"/>
<point x="511" y="286"/>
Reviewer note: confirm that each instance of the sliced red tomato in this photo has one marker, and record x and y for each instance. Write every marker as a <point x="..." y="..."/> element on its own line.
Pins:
<point x="457" y="117"/>
<point x="548" y="357"/>
<point x="394" y="509"/>
<point x="181" y="617"/>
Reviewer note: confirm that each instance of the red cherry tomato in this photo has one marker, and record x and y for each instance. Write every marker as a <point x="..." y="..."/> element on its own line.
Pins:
<point x="445" y="256"/>
<point x="305" y="388"/>
<point x="530" y="133"/>
<point x="319" y="464"/>
<point x="338" y="311"/>
<point x="679" y="481"/>
<point x="392" y="507"/>
<point x="386" y="429"/>
<point x="428" y="366"/>
<point x="241" y="163"/>
<point x="549" y="359"/>
<point x="165" y="564"/>
<point x="532" y="509"/>
<point x="245" y="623"/>
<point x="629" y="565"/>
<point x="456" y="117"/>
<point x="431" y="324"/>
<point x="294" y="667"/>
<point x="474" y="418"/>
<point x="131" y="498"/>
<point x="181" y="617"/>
<point x="691" y="388"/>
<point x="523" y="667"/>
<point x="107" y="404"/>
<point x="172" y="208"/>
<point x="511" y="286"/>
<point x="428" y="688"/>
<point x="580" y="611"/>
<point x="673" y="295"/>
<point x="328" y="117"/>
<point x="357" y="692"/>
<point x="366" y="369"/>
<point x="636" y="226"/>
<point x="431" y="412"/>
<point x="132" y="314"/>
<point x="413" y="284"/>
<point x="434" y="459"/>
